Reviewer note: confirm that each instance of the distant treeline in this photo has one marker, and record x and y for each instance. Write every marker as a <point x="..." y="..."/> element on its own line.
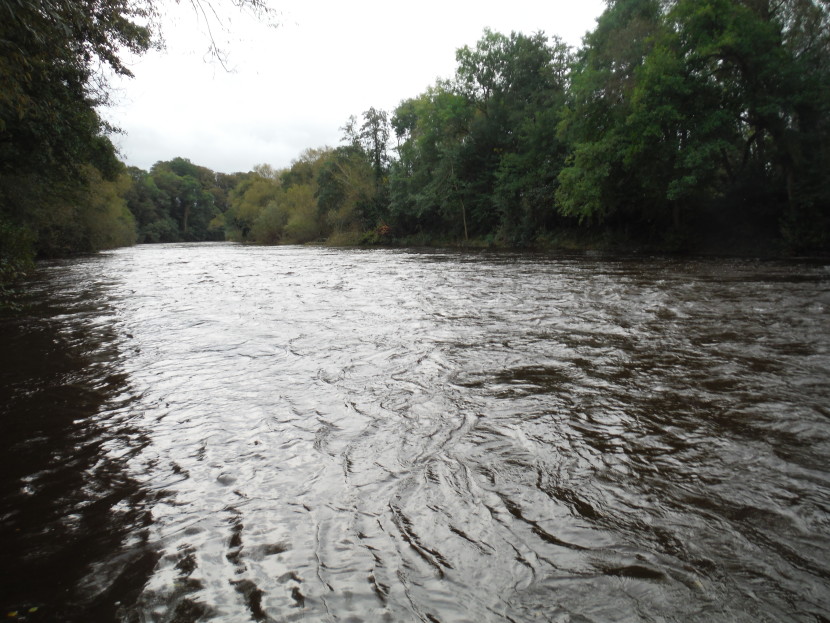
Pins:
<point x="678" y="123"/>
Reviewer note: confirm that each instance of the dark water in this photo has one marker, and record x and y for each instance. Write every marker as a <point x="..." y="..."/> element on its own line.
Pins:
<point x="211" y="432"/>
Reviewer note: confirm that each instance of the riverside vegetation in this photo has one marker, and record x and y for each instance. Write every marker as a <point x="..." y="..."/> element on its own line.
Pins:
<point x="679" y="124"/>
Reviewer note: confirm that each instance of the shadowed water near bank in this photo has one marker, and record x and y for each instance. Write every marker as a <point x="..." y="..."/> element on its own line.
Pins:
<point x="74" y="521"/>
<point x="216" y="432"/>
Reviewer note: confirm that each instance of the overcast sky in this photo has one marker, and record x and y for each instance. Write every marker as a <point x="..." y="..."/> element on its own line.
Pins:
<point x="293" y="86"/>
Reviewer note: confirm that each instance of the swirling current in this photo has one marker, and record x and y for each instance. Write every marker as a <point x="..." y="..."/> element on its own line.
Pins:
<point x="223" y="433"/>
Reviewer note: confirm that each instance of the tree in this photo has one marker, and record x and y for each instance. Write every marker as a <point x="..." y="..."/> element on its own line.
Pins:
<point x="703" y="115"/>
<point x="596" y="182"/>
<point x="426" y="190"/>
<point x="54" y="59"/>
<point x="346" y="191"/>
<point x="480" y="155"/>
<point x="770" y="63"/>
<point x="49" y="128"/>
<point x="371" y="140"/>
<point x="188" y="197"/>
<point x="248" y="200"/>
<point x="292" y="214"/>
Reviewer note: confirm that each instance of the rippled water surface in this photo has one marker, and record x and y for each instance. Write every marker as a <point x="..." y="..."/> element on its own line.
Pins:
<point x="216" y="432"/>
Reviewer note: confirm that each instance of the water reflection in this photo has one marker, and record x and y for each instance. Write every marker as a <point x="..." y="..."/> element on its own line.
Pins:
<point x="278" y="434"/>
<point x="73" y="526"/>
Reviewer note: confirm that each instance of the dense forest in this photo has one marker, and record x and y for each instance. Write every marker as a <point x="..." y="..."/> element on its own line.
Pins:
<point x="678" y="124"/>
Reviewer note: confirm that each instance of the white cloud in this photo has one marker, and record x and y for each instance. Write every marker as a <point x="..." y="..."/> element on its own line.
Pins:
<point x="293" y="87"/>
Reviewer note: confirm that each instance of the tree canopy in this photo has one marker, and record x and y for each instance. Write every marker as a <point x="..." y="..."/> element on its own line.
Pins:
<point x="677" y="123"/>
<point x="55" y="56"/>
<point x="703" y="114"/>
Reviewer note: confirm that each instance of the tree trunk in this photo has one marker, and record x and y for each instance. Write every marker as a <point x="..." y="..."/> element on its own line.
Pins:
<point x="464" y="219"/>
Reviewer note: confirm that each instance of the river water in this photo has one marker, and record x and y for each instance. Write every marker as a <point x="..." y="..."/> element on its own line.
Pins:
<point x="225" y="433"/>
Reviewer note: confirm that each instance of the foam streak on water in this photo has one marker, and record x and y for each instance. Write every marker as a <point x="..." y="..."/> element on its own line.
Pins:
<point x="286" y="434"/>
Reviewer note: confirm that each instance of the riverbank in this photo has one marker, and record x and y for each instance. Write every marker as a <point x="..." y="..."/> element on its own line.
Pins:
<point x="605" y="241"/>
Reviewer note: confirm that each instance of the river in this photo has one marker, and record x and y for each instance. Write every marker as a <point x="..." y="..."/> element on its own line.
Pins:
<point x="223" y="433"/>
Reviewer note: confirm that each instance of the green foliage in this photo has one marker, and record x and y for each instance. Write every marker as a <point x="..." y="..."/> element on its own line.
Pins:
<point x="677" y="120"/>
<point x="366" y="146"/>
<point x="186" y="197"/>
<point x="17" y="251"/>
<point x="56" y="162"/>
<point x="247" y="201"/>
<point x="597" y="181"/>
<point x="86" y="218"/>
<point x="50" y="54"/>
<point x="60" y="180"/>
<point x="703" y="114"/>
<point x="346" y="192"/>
<point x="426" y="191"/>
<point x="105" y="216"/>
<point x="269" y="225"/>
<point x="279" y="207"/>
<point x="178" y="201"/>
<point x="480" y="155"/>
